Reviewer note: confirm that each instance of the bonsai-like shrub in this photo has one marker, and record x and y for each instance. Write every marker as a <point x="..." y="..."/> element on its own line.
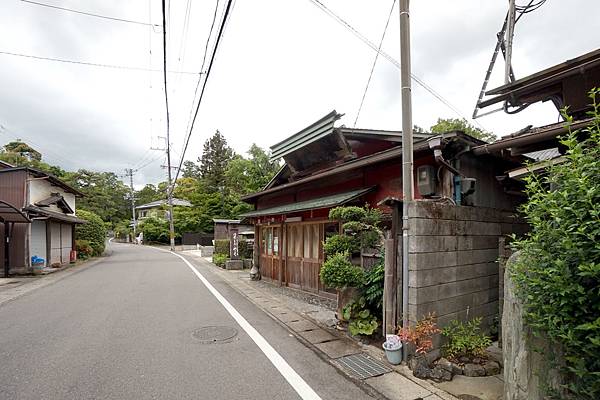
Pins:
<point x="341" y="244"/>
<point x="346" y="214"/>
<point x="465" y="339"/>
<point x="219" y="259"/>
<point x="93" y="231"/>
<point x="421" y="335"/>
<point x="557" y="273"/>
<point x="339" y="273"/>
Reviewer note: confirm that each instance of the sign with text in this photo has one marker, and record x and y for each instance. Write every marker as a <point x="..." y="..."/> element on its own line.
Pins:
<point x="234" y="244"/>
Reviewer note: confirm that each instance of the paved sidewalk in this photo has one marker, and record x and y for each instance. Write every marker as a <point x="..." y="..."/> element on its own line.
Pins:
<point x="313" y="326"/>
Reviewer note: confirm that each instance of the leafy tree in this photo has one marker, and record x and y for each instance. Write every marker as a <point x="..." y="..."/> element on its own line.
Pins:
<point x="213" y="163"/>
<point x="155" y="230"/>
<point x="190" y="170"/>
<point x="104" y="194"/>
<point x="557" y="273"/>
<point x="23" y="150"/>
<point x="147" y="194"/>
<point x="456" y="124"/>
<point x="248" y="175"/>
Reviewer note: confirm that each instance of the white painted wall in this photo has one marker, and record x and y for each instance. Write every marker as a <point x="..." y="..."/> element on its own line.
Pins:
<point x="40" y="189"/>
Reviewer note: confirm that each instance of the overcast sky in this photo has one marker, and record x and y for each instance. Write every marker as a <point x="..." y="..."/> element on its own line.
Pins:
<point x="281" y="65"/>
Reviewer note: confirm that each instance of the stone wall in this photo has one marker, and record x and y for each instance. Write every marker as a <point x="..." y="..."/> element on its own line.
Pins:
<point x="453" y="260"/>
<point x="524" y="367"/>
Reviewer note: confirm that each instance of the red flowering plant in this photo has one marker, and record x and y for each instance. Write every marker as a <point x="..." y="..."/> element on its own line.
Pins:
<point x="421" y="335"/>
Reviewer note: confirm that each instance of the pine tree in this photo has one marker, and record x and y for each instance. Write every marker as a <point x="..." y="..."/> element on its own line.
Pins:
<point x="216" y="155"/>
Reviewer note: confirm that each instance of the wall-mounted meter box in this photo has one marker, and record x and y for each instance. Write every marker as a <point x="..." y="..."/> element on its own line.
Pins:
<point x="426" y="180"/>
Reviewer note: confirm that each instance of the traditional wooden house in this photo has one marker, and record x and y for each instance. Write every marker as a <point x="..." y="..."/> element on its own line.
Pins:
<point x="328" y="166"/>
<point x="49" y="204"/>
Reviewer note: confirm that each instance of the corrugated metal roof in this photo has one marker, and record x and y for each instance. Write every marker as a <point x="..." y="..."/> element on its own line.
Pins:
<point x="314" y="204"/>
<point x="543" y="155"/>
<point x="9" y="213"/>
<point x="310" y="134"/>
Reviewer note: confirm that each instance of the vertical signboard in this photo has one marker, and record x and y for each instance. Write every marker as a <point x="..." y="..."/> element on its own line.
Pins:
<point x="234" y="244"/>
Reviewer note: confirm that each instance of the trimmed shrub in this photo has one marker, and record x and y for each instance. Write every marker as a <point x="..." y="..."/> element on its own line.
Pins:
<point x="219" y="259"/>
<point x="339" y="273"/>
<point x="222" y="247"/>
<point x="84" y="249"/>
<point x="246" y="249"/>
<point x="341" y="244"/>
<point x="346" y="214"/>
<point x="155" y="230"/>
<point x="94" y="231"/>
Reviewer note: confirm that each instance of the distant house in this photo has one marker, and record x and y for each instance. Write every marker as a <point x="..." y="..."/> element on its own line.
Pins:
<point x="158" y="208"/>
<point x="49" y="205"/>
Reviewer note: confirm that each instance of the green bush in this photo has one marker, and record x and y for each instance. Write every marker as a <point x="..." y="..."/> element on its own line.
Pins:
<point x="339" y="273"/>
<point x="219" y="259"/>
<point x="155" y="230"/>
<point x="362" y="322"/>
<point x="222" y="246"/>
<point x="347" y="214"/>
<point x="465" y="339"/>
<point x="557" y="273"/>
<point x="84" y="249"/>
<point x="373" y="288"/>
<point x="94" y="231"/>
<point x="341" y="244"/>
<point x="246" y="249"/>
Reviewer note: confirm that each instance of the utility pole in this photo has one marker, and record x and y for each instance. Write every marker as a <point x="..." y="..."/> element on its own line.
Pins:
<point x="407" y="147"/>
<point x="167" y="150"/>
<point x="129" y="173"/>
<point x="510" y="31"/>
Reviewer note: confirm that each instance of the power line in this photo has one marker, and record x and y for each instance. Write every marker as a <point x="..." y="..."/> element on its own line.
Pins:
<point x="89" y="14"/>
<point x="114" y="66"/>
<point x="374" y="63"/>
<point x="210" y="65"/>
<point x="212" y="25"/>
<point x="385" y="55"/>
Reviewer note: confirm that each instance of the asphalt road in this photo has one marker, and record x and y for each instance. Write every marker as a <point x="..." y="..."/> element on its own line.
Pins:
<point x="123" y="329"/>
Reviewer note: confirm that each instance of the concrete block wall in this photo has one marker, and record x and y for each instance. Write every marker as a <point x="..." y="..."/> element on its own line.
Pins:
<point x="453" y="260"/>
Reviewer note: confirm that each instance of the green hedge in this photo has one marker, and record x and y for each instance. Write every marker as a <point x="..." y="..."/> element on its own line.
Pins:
<point x="222" y="246"/>
<point x="94" y="231"/>
<point x="245" y="248"/>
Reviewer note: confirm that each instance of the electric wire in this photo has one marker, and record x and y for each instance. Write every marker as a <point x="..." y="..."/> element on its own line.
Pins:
<point x="210" y="32"/>
<point x="385" y="55"/>
<point x="113" y="66"/>
<point x="210" y="65"/>
<point x="374" y="63"/>
<point x="88" y="13"/>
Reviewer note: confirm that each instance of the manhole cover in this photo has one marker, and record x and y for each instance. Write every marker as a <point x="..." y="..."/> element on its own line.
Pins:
<point x="363" y="367"/>
<point x="215" y="334"/>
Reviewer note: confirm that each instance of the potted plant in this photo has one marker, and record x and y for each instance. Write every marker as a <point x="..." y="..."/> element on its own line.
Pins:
<point x="393" y="349"/>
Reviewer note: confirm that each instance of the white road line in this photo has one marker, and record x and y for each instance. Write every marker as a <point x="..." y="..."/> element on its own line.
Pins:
<point x="295" y="380"/>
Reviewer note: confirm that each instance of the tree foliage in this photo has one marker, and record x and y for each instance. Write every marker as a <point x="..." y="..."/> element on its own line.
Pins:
<point x="557" y="273"/>
<point x="93" y="231"/>
<point x="456" y="124"/>
<point x="216" y="155"/>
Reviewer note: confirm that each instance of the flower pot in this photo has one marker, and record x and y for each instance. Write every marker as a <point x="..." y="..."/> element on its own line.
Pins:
<point x="393" y="352"/>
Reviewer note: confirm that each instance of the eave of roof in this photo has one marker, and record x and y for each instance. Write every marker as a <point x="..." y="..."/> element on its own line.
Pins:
<point x="313" y="204"/>
<point x="542" y="78"/>
<point x="394" y="152"/>
<point x="54" y="215"/>
<point x="310" y="134"/>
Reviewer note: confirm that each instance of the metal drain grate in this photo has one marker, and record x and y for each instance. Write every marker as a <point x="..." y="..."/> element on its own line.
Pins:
<point x="215" y="334"/>
<point x="362" y="367"/>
